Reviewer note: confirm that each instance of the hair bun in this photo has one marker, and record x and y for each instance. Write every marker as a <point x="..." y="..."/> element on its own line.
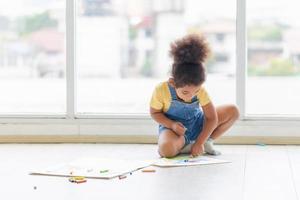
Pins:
<point x="192" y="48"/>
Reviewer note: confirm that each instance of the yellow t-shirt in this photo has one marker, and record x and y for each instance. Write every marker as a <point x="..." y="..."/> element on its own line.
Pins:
<point x="161" y="97"/>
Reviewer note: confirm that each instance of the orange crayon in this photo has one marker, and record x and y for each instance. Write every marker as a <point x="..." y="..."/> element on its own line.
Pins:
<point x="148" y="170"/>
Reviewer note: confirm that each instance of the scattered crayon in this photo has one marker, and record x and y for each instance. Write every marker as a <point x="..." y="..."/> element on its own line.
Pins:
<point x="104" y="171"/>
<point x="72" y="180"/>
<point x="122" y="176"/>
<point x="260" y="144"/>
<point x="79" y="177"/>
<point x="80" y="181"/>
<point x="148" y="170"/>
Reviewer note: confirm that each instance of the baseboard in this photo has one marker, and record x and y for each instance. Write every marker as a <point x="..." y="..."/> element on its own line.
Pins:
<point x="136" y="139"/>
<point x="128" y="139"/>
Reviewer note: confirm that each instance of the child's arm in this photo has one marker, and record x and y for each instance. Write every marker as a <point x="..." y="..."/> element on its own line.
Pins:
<point x="210" y="122"/>
<point x="160" y="118"/>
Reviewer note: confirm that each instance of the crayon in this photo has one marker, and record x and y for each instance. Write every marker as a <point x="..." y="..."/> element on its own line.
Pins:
<point x="77" y="180"/>
<point x="122" y="176"/>
<point x="72" y="180"/>
<point x="148" y="170"/>
<point x="80" y="181"/>
<point x="79" y="177"/>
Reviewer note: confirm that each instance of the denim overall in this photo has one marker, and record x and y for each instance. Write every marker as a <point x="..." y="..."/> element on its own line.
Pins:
<point x="189" y="114"/>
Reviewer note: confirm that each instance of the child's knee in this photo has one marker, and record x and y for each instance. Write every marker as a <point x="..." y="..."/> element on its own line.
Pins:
<point x="235" y="113"/>
<point x="167" y="149"/>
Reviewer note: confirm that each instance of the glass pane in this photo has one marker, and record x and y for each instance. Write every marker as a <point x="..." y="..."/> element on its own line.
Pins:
<point x="122" y="49"/>
<point x="273" y="83"/>
<point x="32" y="56"/>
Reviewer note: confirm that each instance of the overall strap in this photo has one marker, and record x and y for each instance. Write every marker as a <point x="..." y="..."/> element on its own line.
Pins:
<point x="195" y="98"/>
<point x="173" y="92"/>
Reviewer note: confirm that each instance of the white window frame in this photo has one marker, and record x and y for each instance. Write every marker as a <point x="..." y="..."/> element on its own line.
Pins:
<point x="73" y="123"/>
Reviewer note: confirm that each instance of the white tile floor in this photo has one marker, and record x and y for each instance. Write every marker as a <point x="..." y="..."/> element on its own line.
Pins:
<point x="256" y="172"/>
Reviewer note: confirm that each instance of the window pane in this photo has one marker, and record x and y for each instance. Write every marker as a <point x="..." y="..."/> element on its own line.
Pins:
<point x="32" y="56"/>
<point x="273" y="81"/>
<point x="122" y="49"/>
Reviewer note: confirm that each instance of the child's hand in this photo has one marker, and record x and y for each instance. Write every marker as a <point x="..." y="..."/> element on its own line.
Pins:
<point x="197" y="150"/>
<point x="178" y="128"/>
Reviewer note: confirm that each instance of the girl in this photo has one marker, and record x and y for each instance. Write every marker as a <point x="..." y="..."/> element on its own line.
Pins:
<point x="188" y="120"/>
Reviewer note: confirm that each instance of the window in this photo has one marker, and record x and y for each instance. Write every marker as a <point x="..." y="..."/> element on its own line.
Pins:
<point x="273" y="82"/>
<point x="122" y="50"/>
<point x="122" y="53"/>
<point x="32" y="56"/>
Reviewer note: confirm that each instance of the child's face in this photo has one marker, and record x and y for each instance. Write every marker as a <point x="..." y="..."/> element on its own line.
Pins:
<point x="186" y="93"/>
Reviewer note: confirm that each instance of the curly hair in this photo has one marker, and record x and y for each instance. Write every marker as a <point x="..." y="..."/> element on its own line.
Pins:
<point x="189" y="53"/>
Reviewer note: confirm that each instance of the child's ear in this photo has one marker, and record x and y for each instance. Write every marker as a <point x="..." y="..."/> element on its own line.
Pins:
<point x="171" y="81"/>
